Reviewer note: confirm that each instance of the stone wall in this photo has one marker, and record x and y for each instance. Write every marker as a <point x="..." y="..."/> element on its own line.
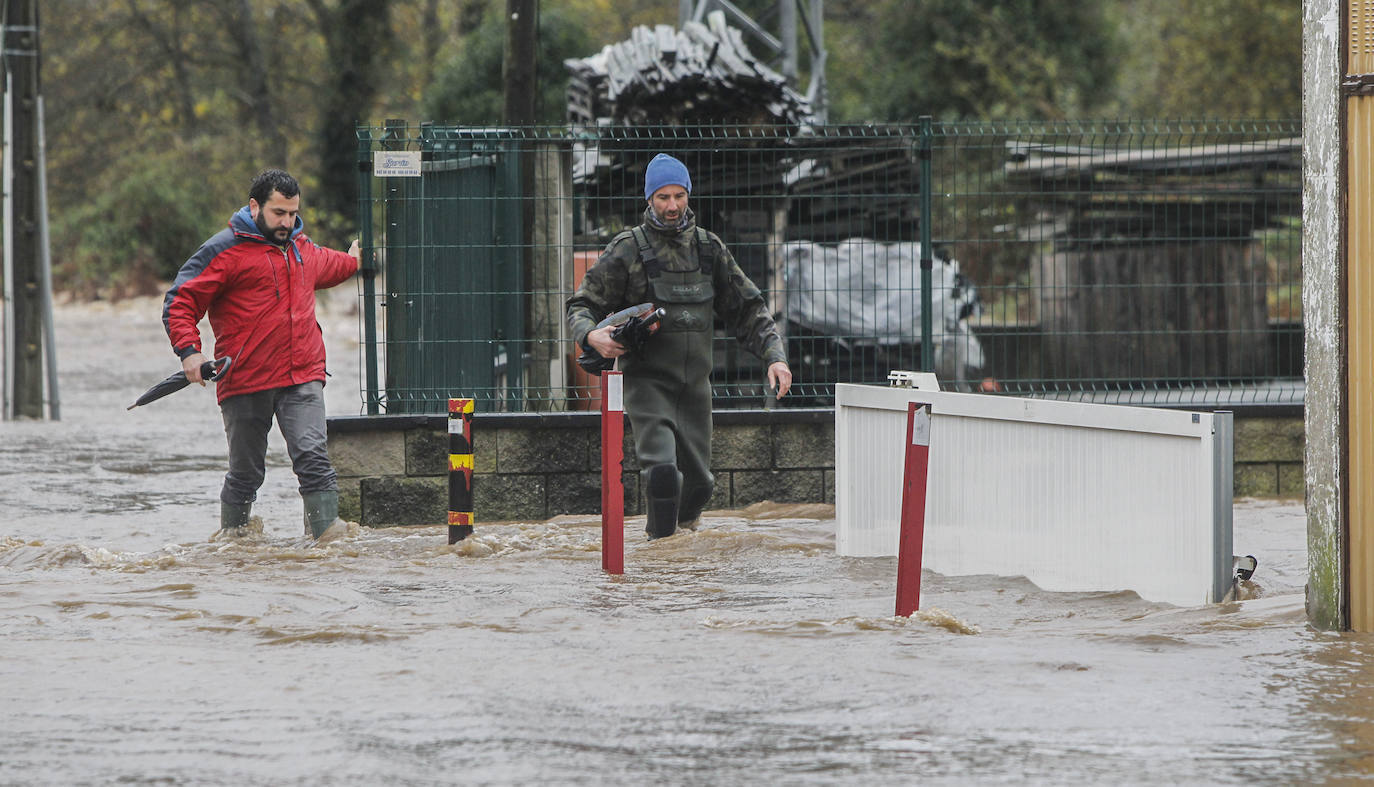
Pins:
<point x="393" y="470"/>
<point x="1269" y="452"/>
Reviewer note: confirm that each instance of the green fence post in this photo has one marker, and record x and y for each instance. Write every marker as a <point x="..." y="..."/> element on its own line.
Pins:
<point x="367" y="267"/>
<point x="927" y="258"/>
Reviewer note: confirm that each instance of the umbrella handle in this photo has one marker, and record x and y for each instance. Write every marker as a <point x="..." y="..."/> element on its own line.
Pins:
<point x="214" y="370"/>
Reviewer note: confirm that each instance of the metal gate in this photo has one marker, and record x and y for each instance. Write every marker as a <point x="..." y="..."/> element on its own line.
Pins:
<point x="452" y="256"/>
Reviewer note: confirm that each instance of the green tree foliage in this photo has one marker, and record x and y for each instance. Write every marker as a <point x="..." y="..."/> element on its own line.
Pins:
<point x="177" y="104"/>
<point x="143" y="104"/>
<point x="1211" y="58"/>
<point x="133" y="233"/>
<point x="357" y="38"/>
<point x="956" y="59"/>
<point x="225" y="87"/>
<point x="468" y="89"/>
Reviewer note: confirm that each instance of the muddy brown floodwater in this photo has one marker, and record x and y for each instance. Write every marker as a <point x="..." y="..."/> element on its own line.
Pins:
<point x="136" y="649"/>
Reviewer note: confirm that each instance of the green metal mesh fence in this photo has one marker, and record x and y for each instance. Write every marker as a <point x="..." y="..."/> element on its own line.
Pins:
<point x="1147" y="262"/>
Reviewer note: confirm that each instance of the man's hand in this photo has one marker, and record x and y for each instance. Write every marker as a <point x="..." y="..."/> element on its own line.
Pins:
<point x="355" y="251"/>
<point x="601" y="341"/>
<point x="780" y="377"/>
<point x="191" y="365"/>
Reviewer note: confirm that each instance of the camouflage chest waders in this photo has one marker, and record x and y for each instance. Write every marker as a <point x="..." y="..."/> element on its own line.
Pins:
<point x="668" y="390"/>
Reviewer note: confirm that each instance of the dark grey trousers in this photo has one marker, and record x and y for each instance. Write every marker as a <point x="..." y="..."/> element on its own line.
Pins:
<point x="299" y="410"/>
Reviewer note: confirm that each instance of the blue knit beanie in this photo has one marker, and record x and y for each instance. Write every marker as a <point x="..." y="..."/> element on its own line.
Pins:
<point x="665" y="170"/>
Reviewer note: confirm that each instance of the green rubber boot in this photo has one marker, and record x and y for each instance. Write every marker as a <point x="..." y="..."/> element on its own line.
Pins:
<point x="233" y="516"/>
<point x="321" y="509"/>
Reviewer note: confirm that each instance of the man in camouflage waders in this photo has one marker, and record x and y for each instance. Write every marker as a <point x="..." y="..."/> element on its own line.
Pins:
<point x="670" y="261"/>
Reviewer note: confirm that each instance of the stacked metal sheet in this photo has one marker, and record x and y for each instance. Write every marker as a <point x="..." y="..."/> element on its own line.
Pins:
<point x="855" y="186"/>
<point x="700" y="74"/>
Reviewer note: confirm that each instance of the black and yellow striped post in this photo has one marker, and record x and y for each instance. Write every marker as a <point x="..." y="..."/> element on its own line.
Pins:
<point x="460" y="467"/>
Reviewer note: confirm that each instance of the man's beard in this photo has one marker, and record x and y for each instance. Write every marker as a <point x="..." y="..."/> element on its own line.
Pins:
<point x="280" y="237"/>
<point x="666" y="223"/>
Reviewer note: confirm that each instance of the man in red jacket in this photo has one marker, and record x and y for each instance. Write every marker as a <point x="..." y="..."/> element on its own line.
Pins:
<point x="256" y="280"/>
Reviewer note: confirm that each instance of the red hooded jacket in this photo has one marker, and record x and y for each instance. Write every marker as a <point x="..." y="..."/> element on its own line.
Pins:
<point x="261" y="301"/>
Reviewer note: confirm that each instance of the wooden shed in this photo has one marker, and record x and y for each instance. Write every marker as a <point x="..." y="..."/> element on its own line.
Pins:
<point x="1148" y="265"/>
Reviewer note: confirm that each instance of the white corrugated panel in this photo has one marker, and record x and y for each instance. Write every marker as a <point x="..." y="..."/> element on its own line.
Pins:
<point x="1073" y="496"/>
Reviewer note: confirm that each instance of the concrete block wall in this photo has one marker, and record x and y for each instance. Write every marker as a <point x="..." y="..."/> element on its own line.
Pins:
<point x="1269" y="453"/>
<point x="393" y="470"/>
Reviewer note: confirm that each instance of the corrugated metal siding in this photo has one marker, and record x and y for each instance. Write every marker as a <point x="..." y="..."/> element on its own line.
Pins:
<point x="862" y="491"/>
<point x="1073" y="496"/>
<point x="1360" y="346"/>
<point x="1361" y="30"/>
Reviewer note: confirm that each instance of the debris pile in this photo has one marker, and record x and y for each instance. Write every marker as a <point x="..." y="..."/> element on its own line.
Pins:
<point x="847" y="186"/>
<point x="701" y="74"/>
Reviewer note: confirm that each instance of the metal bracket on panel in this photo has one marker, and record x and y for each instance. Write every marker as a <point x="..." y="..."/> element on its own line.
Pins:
<point x="920" y="381"/>
<point x="1358" y="85"/>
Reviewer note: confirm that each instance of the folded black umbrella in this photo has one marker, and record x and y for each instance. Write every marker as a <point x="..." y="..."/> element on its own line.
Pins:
<point x="633" y="328"/>
<point x="210" y="370"/>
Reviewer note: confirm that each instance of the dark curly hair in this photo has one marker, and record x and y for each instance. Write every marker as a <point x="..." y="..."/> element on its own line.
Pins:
<point x="270" y="180"/>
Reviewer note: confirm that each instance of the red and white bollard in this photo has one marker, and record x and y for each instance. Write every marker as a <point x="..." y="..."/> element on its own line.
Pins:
<point x="914" y="472"/>
<point x="612" y="468"/>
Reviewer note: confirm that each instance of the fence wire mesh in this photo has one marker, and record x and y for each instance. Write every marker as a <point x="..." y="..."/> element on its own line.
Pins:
<point x="1146" y="262"/>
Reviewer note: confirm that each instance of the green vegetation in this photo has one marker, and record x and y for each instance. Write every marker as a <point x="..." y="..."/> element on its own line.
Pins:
<point x="160" y="111"/>
<point x="961" y="60"/>
<point x="467" y="89"/>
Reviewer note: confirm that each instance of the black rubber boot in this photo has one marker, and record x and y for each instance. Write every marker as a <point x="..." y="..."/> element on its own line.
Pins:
<point x="662" y="488"/>
<point x="693" y="501"/>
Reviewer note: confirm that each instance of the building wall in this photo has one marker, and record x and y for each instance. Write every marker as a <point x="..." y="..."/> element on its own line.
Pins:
<point x="393" y="470"/>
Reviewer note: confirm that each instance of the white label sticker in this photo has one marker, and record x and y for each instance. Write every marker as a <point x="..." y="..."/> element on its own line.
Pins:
<point x="455" y="426"/>
<point x="920" y="426"/>
<point x="396" y="164"/>
<point x="615" y="393"/>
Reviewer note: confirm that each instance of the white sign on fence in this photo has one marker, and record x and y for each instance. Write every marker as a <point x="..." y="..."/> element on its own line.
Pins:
<point x="396" y="164"/>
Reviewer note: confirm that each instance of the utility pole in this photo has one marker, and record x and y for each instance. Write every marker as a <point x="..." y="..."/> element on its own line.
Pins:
<point x="520" y="87"/>
<point x="24" y="273"/>
<point x="518" y="64"/>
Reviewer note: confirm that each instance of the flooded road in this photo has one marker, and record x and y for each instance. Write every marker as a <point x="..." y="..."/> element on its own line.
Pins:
<point x="136" y="649"/>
